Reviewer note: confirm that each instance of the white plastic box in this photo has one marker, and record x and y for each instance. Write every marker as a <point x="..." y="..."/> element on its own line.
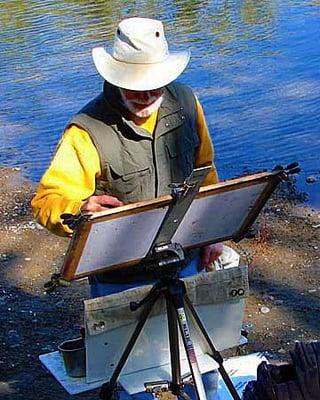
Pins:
<point x="218" y="298"/>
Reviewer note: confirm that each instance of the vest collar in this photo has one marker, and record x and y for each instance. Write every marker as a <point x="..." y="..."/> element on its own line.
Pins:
<point x="170" y="114"/>
<point x="170" y="104"/>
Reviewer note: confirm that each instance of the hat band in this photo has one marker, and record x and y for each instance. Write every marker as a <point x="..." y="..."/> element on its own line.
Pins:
<point x="142" y="61"/>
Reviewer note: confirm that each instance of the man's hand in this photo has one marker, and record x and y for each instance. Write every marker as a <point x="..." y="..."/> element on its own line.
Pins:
<point x="100" y="203"/>
<point x="209" y="254"/>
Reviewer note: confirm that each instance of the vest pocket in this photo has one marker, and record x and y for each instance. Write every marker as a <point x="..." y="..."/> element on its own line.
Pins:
<point x="130" y="187"/>
<point x="181" y="160"/>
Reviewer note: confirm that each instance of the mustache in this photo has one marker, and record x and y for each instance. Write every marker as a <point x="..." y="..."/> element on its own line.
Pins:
<point x="142" y="102"/>
<point x="148" y="98"/>
<point x="146" y="110"/>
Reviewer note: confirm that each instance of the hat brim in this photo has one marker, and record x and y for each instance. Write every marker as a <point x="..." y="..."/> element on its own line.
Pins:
<point x="139" y="76"/>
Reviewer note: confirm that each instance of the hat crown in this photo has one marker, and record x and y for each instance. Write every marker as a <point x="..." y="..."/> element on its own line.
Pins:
<point x="140" y="41"/>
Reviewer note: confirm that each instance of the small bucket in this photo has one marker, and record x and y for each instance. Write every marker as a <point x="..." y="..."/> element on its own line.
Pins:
<point x="74" y="356"/>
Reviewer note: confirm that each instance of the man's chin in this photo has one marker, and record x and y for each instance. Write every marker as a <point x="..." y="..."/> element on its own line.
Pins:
<point x="145" y="113"/>
<point x="141" y="110"/>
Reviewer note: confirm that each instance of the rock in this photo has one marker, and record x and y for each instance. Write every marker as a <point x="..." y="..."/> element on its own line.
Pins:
<point x="5" y="389"/>
<point x="311" y="179"/>
<point x="269" y="355"/>
<point x="47" y="348"/>
<point x="13" y="338"/>
<point x="76" y="327"/>
<point x="264" y="310"/>
<point x="248" y="327"/>
<point x="267" y="297"/>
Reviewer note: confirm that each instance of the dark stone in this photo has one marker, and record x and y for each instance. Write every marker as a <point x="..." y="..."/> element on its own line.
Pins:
<point x="311" y="179"/>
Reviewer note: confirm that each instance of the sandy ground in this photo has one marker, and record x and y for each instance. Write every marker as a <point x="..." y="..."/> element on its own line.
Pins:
<point x="284" y="303"/>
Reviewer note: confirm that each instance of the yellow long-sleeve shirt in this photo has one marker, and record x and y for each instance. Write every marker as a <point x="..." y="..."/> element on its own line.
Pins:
<point x="71" y="176"/>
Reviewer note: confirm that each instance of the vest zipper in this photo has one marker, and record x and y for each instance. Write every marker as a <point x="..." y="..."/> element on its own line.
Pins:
<point x="156" y="178"/>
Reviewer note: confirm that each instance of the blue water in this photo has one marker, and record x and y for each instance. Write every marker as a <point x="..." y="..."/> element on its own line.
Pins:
<point x="255" y="67"/>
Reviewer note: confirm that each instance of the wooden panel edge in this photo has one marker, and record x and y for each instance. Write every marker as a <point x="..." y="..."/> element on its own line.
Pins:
<point x="242" y="182"/>
<point x="74" y="252"/>
<point x="264" y="196"/>
<point x="163" y="201"/>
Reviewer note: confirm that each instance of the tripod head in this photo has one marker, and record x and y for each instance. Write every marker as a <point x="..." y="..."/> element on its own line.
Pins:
<point x="166" y="260"/>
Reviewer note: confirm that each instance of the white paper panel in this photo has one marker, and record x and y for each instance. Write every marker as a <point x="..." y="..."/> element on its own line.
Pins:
<point x="120" y="240"/>
<point x="215" y="217"/>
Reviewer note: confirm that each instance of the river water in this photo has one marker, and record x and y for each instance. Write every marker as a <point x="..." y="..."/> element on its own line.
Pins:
<point x="255" y="67"/>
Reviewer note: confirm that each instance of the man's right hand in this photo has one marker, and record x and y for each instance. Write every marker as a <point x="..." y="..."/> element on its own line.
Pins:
<point x="100" y="203"/>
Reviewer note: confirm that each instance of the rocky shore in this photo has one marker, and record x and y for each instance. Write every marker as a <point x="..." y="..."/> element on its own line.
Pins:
<point x="284" y="304"/>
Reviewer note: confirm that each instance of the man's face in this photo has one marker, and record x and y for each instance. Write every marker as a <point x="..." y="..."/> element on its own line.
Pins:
<point x="142" y="103"/>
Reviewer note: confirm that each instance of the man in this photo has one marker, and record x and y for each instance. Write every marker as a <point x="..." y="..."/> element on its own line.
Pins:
<point x="140" y="134"/>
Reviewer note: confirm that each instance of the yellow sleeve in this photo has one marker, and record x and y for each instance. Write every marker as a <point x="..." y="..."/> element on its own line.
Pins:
<point x="69" y="180"/>
<point x="205" y="155"/>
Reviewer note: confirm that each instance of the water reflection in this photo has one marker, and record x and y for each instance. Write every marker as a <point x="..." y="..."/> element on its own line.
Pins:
<point x="258" y="12"/>
<point x="255" y="67"/>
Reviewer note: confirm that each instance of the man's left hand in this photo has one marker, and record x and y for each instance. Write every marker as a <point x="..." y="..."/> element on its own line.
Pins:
<point x="209" y="254"/>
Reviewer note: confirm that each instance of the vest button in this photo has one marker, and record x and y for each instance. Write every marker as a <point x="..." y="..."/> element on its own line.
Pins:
<point x="183" y="117"/>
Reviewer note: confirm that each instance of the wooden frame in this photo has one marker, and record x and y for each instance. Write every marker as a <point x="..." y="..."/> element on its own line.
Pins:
<point x="258" y="186"/>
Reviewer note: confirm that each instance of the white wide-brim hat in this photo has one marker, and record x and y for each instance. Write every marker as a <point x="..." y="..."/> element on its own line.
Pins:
<point x="140" y="59"/>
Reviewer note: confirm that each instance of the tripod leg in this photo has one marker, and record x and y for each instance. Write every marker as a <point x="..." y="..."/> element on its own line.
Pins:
<point x="215" y="354"/>
<point x="108" y="388"/>
<point x="175" y="294"/>
<point x="191" y="355"/>
<point x="174" y="344"/>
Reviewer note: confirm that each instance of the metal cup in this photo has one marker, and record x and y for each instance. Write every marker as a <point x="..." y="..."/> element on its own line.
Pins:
<point x="74" y="356"/>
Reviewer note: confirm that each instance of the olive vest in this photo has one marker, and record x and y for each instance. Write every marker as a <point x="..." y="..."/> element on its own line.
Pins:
<point x="136" y="165"/>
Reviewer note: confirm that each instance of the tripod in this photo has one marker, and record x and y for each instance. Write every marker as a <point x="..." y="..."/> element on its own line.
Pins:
<point x="174" y="291"/>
